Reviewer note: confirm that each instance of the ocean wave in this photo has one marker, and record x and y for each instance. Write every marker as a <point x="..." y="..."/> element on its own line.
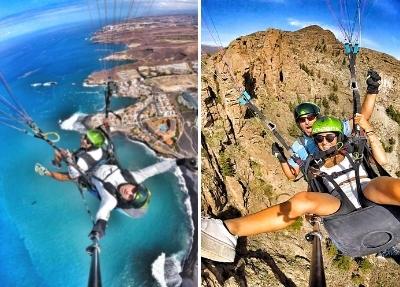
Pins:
<point x="182" y="183"/>
<point x="188" y="208"/>
<point x="49" y="84"/>
<point x="89" y="85"/>
<point x="166" y="270"/>
<point x="74" y="123"/>
<point x="89" y="93"/>
<point x="45" y="84"/>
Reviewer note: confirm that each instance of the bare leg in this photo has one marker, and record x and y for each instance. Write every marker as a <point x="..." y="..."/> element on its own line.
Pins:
<point x="383" y="190"/>
<point x="284" y="214"/>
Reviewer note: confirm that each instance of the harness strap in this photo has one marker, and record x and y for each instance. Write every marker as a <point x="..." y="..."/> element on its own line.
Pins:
<point x="356" y="164"/>
<point x="336" y="174"/>
<point x="345" y="200"/>
<point x="90" y="161"/>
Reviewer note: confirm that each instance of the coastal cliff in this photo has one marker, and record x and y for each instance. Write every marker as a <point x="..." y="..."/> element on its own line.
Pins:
<point x="159" y="70"/>
<point x="280" y="69"/>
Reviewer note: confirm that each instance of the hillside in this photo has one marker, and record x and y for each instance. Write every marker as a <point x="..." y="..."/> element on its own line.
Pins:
<point x="240" y="176"/>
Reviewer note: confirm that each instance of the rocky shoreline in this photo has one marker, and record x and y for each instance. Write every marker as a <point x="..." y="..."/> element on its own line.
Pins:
<point x="160" y="76"/>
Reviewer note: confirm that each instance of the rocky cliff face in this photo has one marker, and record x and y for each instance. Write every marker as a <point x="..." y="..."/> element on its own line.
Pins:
<point x="239" y="175"/>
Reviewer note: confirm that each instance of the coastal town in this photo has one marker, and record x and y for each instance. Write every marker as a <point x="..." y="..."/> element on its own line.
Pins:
<point x="163" y="83"/>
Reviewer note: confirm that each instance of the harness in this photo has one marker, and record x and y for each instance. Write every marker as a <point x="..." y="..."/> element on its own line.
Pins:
<point x="92" y="164"/>
<point x="368" y="229"/>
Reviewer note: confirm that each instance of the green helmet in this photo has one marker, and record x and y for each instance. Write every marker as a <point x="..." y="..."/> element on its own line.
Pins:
<point x="142" y="198"/>
<point x="304" y="109"/>
<point x="96" y="137"/>
<point x="327" y="124"/>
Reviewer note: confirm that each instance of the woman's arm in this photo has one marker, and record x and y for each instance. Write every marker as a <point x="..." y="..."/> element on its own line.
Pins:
<point x="376" y="146"/>
<point x="60" y="176"/>
<point x="290" y="172"/>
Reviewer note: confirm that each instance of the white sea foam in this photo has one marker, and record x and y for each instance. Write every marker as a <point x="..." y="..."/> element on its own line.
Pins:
<point x="49" y="84"/>
<point x="188" y="206"/>
<point x="89" y="85"/>
<point x="45" y="84"/>
<point x="166" y="270"/>
<point x="73" y="123"/>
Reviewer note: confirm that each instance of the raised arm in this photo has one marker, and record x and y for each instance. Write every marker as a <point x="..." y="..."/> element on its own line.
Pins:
<point x="376" y="146"/>
<point x="160" y="167"/>
<point x="373" y="82"/>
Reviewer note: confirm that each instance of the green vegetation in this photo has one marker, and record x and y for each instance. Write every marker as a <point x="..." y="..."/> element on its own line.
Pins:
<point x="364" y="265"/>
<point x="332" y="250"/>
<point x="256" y="168"/>
<point x="306" y="69"/>
<point x="294" y="131"/>
<point x="292" y="106"/>
<point x="357" y="280"/>
<point x="344" y="62"/>
<point x="217" y="134"/>
<point x="298" y="99"/>
<point x="339" y="260"/>
<point x="226" y="164"/>
<point x="261" y="186"/>
<point x="325" y="103"/>
<point x="335" y="86"/>
<point x="325" y="81"/>
<point x="333" y="97"/>
<point x="389" y="147"/>
<point x="393" y="114"/>
<point x="296" y="226"/>
<point x="321" y="47"/>
<point x="342" y="262"/>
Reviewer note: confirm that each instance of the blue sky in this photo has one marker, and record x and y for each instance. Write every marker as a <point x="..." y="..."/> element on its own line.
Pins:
<point x="18" y="17"/>
<point x="380" y="23"/>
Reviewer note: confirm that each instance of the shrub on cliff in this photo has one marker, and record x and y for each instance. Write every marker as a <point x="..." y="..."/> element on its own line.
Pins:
<point x="226" y="165"/>
<point x="393" y="114"/>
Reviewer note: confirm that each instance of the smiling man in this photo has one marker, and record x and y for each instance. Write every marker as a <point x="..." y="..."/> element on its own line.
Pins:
<point x="305" y="115"/>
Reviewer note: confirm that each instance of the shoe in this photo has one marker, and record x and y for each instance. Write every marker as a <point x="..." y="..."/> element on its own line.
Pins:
<point x="217" y="243"/>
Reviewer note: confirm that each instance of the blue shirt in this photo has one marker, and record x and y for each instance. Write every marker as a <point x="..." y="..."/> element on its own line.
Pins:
<point x="305" y="145"/>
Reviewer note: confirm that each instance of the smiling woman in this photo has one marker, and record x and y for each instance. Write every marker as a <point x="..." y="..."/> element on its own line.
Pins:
<point x="295" y="56"/>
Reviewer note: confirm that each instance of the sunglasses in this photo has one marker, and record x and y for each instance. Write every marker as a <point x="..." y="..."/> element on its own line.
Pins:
<point x="308" y="117"/>
<point x="329" y="138"/>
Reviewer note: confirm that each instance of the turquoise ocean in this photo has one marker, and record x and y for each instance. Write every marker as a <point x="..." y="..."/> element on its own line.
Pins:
<point x="43" y="223"/>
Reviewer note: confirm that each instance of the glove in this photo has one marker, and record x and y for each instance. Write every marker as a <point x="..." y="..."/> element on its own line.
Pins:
<point x="189" y="163"/>
<point x="41" y="170"/>
<point x="99" y="229"/>
<point x="277" y="151"/>
<point x="373" y="82"/>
